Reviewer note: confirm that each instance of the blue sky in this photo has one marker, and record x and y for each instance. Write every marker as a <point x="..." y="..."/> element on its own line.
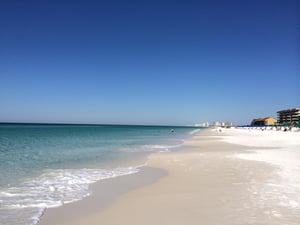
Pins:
<point x="148" y="62"/>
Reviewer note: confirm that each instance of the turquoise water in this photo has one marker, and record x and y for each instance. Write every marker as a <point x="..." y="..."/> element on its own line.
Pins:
<point x="49" y="165"/>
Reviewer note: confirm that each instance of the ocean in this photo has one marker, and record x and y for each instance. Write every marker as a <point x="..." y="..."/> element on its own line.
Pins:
<point x="47" y="165"/>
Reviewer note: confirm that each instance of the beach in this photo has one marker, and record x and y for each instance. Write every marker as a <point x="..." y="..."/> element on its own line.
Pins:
<point x="231" y="177"/>
<point x="51" y="165"/>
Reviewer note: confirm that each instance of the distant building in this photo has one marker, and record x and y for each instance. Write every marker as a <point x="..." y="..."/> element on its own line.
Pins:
<point x="206" y="124"/>
<point x="222" y="124"/>
<point x="289" y="116"/>
<point x="202" y="124"/>
<point x="227" y="124"/>
<point x="263" y="121"/>
<point x="217" y="124"/>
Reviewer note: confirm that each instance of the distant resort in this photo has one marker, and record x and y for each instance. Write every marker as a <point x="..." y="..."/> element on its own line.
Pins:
<point x="287" y="119"/>
<point x="215" y="124"/>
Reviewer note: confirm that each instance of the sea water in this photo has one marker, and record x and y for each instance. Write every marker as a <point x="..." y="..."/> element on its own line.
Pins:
<point x="44" y="166"/>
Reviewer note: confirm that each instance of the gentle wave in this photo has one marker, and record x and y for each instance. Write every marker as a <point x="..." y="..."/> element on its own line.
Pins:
<point x="194" y="131"/>
<point x="151" y="148"/>
<point x="52" y="189"/>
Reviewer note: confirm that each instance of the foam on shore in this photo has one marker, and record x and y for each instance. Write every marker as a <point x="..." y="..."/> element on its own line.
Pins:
<point x="52" y="189"/>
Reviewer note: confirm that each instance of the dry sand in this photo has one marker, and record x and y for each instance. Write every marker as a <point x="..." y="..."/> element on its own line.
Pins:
<point x="209" y="184"/>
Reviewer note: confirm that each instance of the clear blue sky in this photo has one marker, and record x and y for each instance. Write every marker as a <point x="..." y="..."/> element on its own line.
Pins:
<point x="148" y="62"/>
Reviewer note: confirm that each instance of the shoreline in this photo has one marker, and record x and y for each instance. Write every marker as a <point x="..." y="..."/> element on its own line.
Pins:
<point x="207" y="184"/>
<point x="104" y="193"/>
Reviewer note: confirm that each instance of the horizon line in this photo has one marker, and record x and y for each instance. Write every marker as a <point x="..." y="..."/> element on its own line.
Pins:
<point x="92" y="124"/>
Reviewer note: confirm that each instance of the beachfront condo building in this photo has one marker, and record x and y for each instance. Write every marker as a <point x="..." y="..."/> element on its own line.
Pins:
<point x="289" y="116"/>
<point x="263" y="121"/>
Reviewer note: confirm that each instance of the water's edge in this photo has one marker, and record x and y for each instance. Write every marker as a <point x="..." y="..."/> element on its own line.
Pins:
<point x="104" y="193"/>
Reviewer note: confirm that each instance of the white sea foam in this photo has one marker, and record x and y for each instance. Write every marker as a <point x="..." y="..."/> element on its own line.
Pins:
<point x="150" y="148"/>
<point x="52" y="189"/>
<point x="194" y="131"/>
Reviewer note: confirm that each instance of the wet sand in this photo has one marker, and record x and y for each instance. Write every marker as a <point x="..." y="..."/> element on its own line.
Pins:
<point x="210" y="183"/>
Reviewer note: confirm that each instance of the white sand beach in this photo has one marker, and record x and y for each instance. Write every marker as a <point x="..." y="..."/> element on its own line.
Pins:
<point x="231" y="177"/>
